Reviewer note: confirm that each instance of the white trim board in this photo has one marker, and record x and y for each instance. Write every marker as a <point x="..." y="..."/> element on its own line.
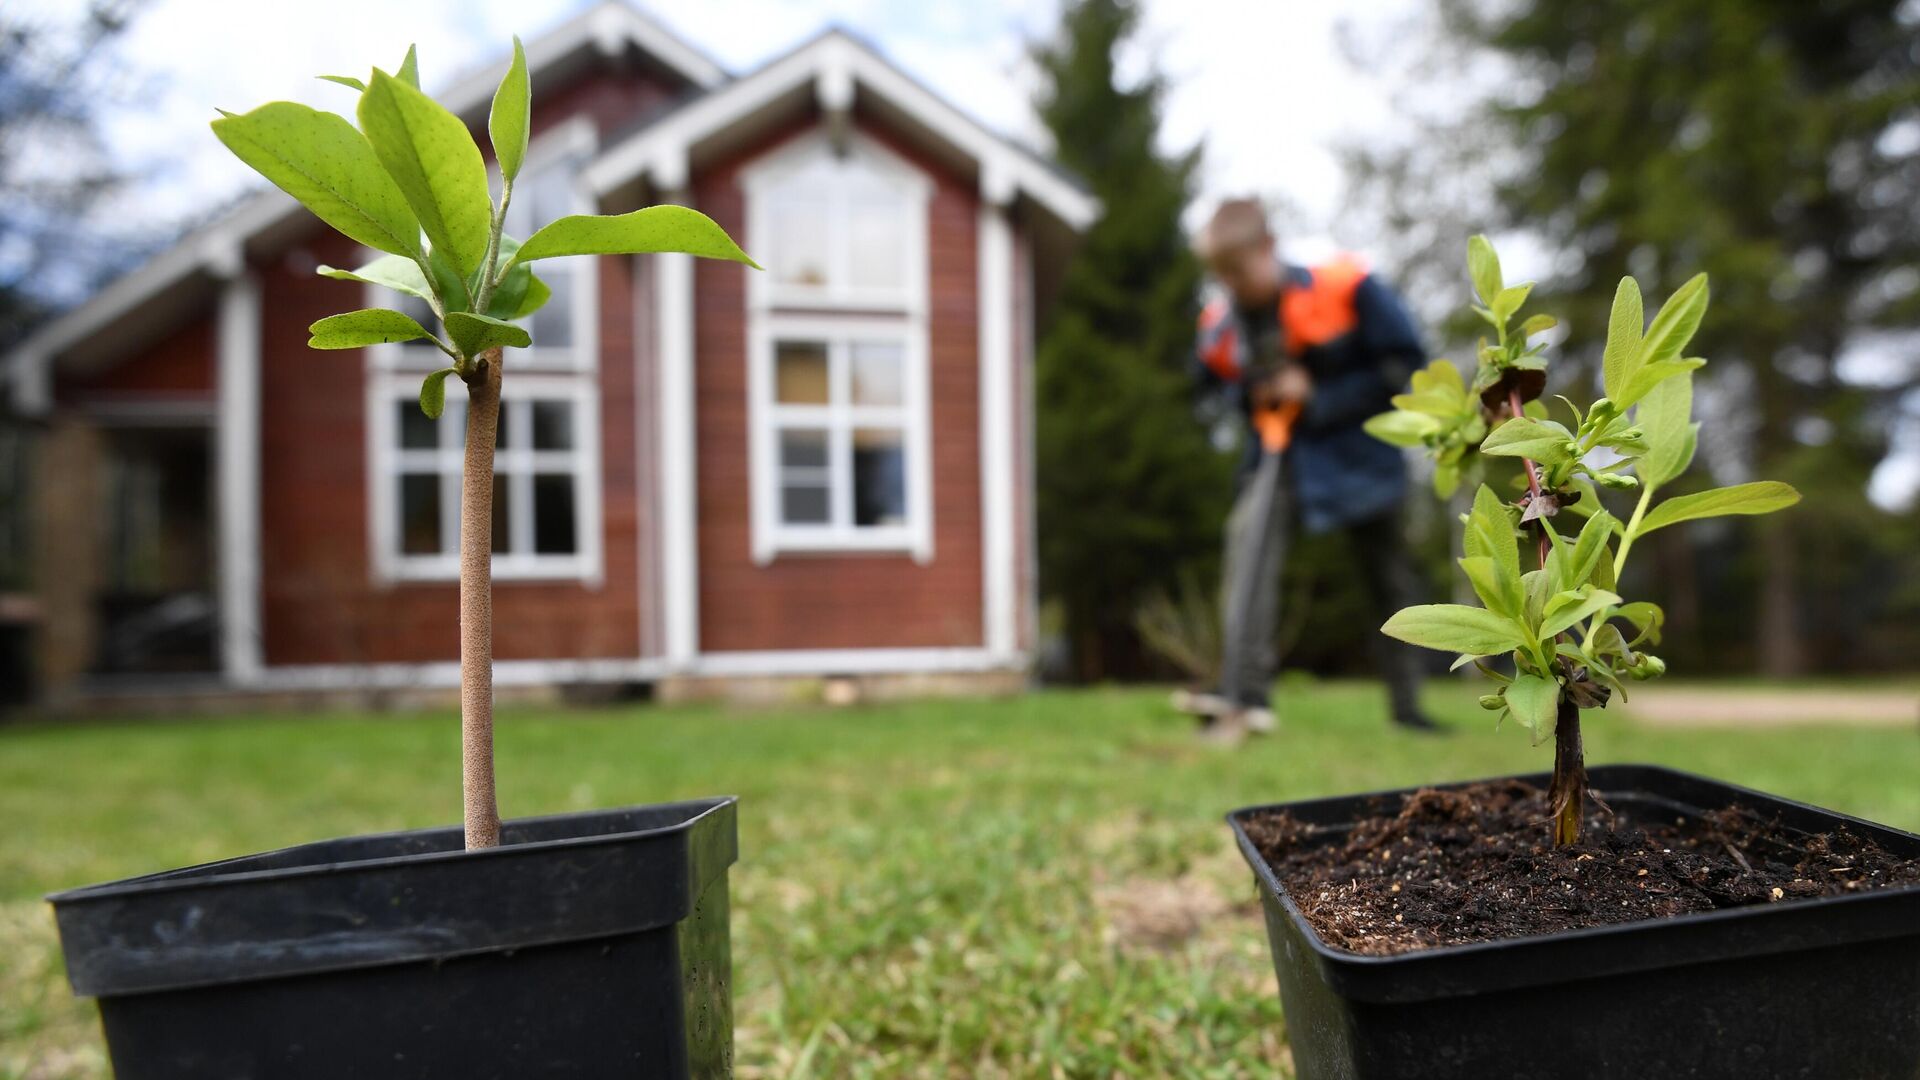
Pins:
<point x="998" y="432"/>
<point x="678" y="490"/>
<point x="237" y="477"/>
<point x="800" y="663"/>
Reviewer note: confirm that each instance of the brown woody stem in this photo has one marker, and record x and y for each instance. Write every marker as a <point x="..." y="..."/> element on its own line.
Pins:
<point x="476" y="605"/>
<point x="1567" y="795"/>
<point x="1533" y="473"/>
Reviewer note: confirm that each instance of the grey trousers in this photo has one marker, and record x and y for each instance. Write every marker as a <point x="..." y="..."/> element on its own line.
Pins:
<point x="1258" y="532"/>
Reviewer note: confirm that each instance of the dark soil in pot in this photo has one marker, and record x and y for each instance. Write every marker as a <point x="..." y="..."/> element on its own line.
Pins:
<point x="1474" y="864"/>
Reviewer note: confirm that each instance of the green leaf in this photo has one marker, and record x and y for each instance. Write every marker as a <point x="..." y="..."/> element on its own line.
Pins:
<point x="1758" y="497"/>
<point x="1402" y="428"/>
<point x="653" y="229"/>
<point x="1665" y="415"/>
<point x="1454" y="628"/>
<point x="1509" y="301"/>
<point x="536" y="298"/>
<point x="1545" y="441"/>
<point x="1446" y="479"/>
<point x="1440" y="375"/>
<point x="1672" y="328"/>
<point x="1575" y="605"/>
<point x="1490" y="532"/>
<point x="343" y="80"/>
<point x="1536" y="324"/>
<point x="433" y="393"/>
<point x="507" y="124"/>
<point x="1537" y="587"/>
<point x="1603" y="576"/>
<point x="1433" y="402"/>
<point x="475" y="334"/>
<point x="1623" y="336"/>
<point x="1647" y="620"/>
<point x="1646" y="377"/>
<point x="1535" y="702"/>
<point x="1499" y="592"/>
<point x="396" y="272"/>
<point x="1483" y="266"/>
<point x="409" y="72"/>
<point x="358" y="329"/>
<point x="435" y="164"/>
<point x="513" y="287"/>
<point x="1588" y="550"/>
<point x="318" y="158"/>
<point x="447" y="279"/>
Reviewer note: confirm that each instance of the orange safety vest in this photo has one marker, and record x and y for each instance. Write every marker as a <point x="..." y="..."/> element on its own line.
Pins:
<point x="1312" y="314"/>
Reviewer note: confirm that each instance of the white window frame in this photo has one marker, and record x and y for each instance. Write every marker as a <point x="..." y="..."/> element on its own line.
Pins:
<point x="386" y="390"/>
<point x="857" y="152"/>
<point x="838" y="314"/>
<point x="394" y="372"/>
<point x="839" y="416"/>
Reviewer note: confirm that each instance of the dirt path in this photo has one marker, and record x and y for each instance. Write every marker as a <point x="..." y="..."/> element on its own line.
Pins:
<point x="1769" y="706"/>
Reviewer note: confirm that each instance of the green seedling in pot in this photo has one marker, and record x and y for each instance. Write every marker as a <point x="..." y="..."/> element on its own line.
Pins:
<point x="410" y="181"/>
<point x="1550" y="598"/>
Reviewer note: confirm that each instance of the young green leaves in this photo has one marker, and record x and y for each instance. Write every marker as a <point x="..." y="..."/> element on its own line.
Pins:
<point x="507" y="122"/>
<point x="412" y="168"/>
<point x="1439" y="415"/>
<point x="319" y="159"/>
<point x="358" y="329"/>
<point x="653" y="229"/>
<point x="1571" y="635"/>
<point x="434" y="163"/>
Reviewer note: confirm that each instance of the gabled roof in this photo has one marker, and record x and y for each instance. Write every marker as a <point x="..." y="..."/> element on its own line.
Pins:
<point x="833" y="69"/>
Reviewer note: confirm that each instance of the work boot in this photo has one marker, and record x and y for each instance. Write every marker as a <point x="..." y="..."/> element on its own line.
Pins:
<point x="1226" y="731"/>
<point x="1200" y="704"/>
<point x="1418" y="722"/>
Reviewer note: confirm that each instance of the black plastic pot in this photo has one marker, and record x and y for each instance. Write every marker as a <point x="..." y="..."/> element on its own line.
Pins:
<point x="1817" y="989"/>
<point x="586" y="945"/>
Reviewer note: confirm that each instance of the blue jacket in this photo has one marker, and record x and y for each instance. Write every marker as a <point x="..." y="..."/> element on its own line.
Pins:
<point x="1355" y="338"/>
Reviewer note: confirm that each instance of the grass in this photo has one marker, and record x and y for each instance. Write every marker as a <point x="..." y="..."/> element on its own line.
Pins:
<point x="1033" y="887"/>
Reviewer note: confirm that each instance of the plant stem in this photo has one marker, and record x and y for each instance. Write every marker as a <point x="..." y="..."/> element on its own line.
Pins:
<point x="1533" y="472"/>
<point x="476" y="605"/>
<point x="1567" y="795"/>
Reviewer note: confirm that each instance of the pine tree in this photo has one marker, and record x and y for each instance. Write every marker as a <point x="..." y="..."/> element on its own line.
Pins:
<point x="1130" y="491"/>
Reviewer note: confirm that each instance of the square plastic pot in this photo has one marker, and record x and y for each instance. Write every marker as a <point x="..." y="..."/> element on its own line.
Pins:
<point x="586" y="945"/>
<point x="1823" y="988"/>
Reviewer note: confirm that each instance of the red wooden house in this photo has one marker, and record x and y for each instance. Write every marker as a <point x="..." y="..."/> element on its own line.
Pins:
<point x="705" y="474"/>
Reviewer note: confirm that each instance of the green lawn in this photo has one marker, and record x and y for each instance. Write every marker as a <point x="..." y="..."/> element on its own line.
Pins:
<point x="1032" y="887"/>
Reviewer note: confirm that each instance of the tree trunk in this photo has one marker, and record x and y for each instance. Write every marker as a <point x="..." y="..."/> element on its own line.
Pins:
<point x="1674" y="553"/>
<point x="476" y="606"/>
<point x="1567" y="795"/>
<point x="1782" y="651"/>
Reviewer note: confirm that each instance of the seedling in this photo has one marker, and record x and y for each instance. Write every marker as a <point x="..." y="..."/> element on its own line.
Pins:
<point x="1575" y="642"/>
<point x="410" y="181"/>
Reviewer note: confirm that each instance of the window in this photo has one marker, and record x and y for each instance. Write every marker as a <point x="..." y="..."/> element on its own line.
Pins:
<point x="546" y="495"/>
<point x="545" y="516"/>
<point x="838" y="353"/>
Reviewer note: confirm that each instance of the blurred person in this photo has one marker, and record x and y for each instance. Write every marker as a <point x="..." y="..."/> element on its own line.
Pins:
<point x="1305" y="355"/>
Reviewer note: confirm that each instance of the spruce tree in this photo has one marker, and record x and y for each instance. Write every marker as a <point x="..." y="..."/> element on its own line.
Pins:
<point x="1130" y="491"/>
